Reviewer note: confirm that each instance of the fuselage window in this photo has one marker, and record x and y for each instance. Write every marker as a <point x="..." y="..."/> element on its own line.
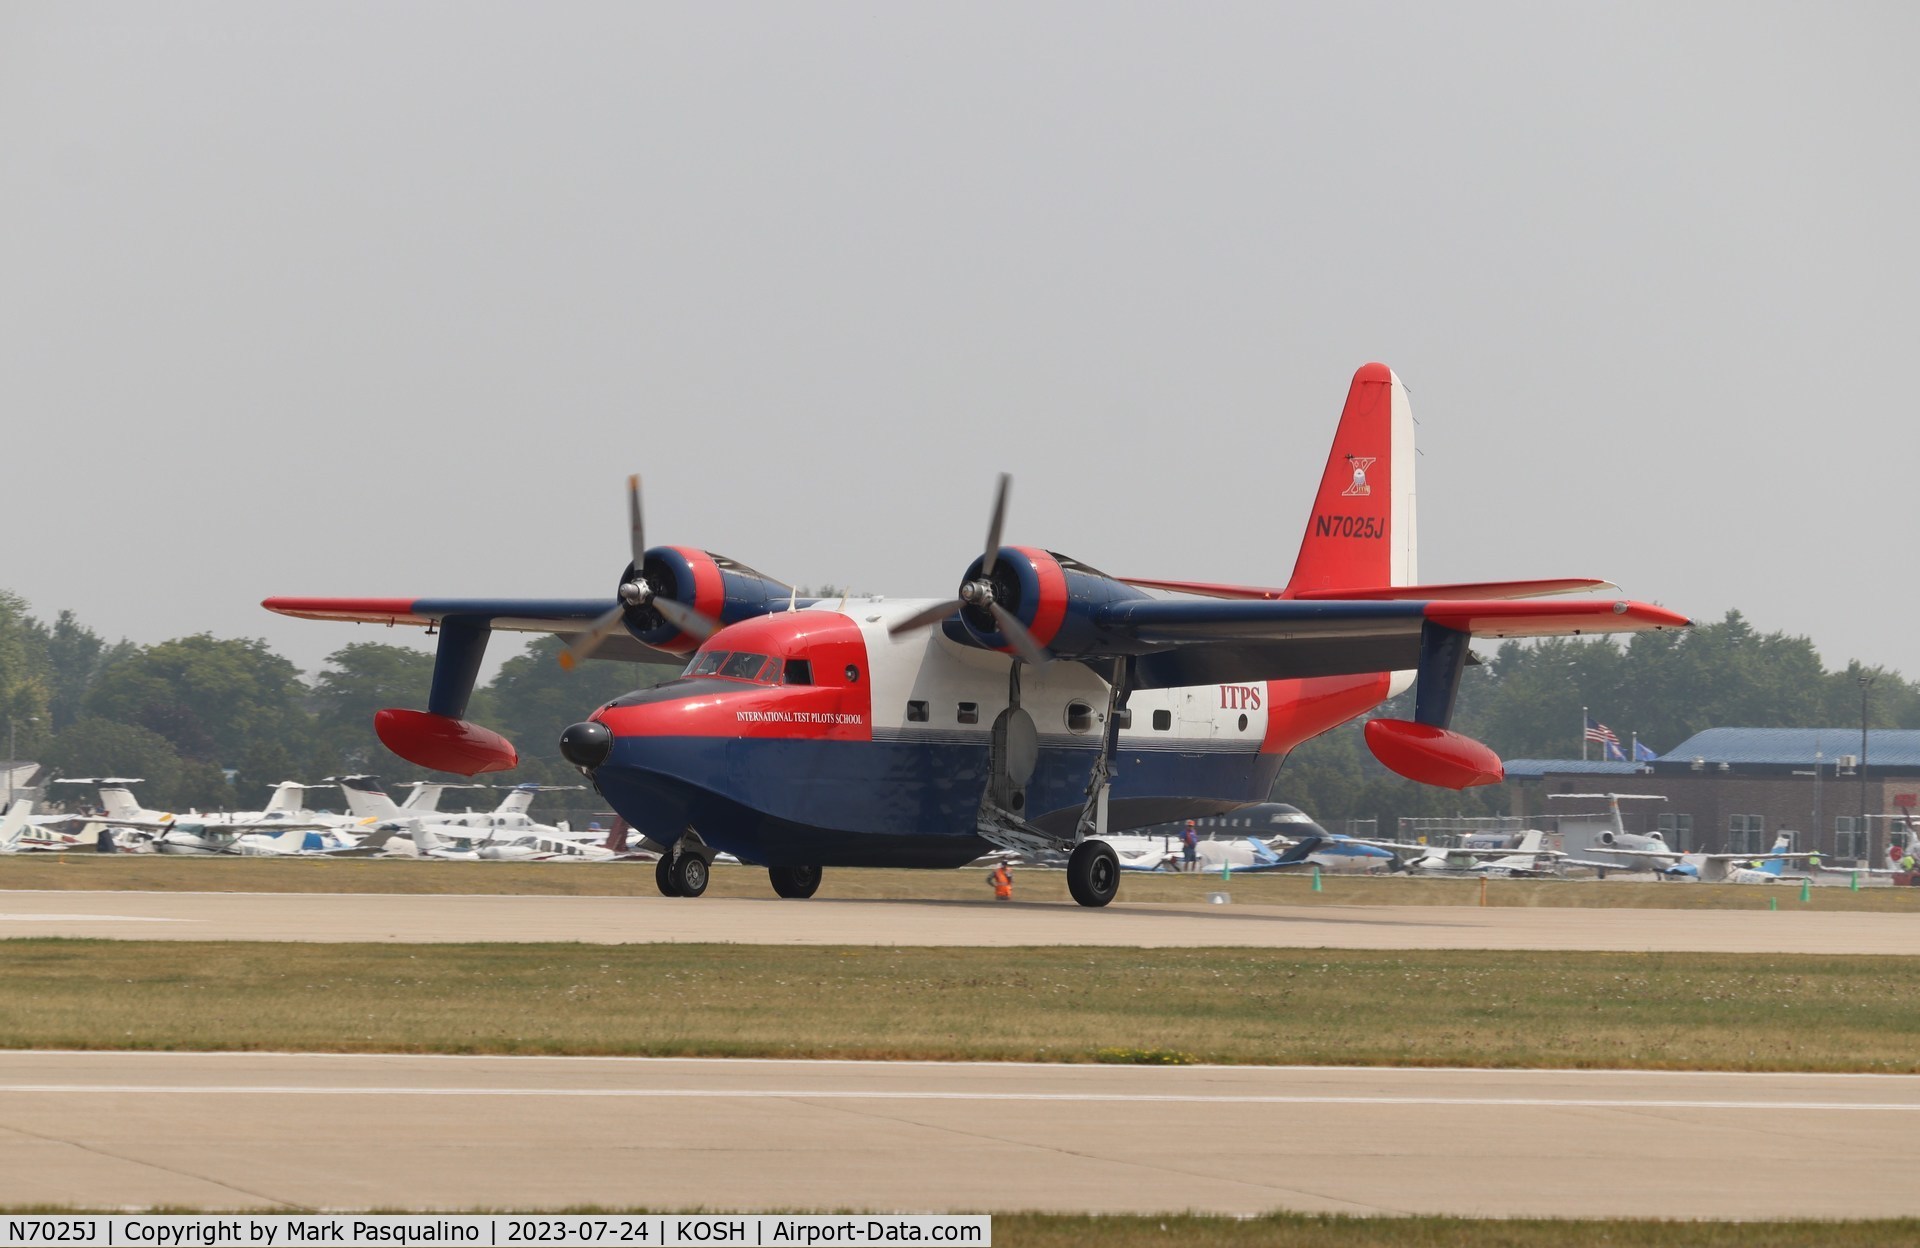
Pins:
<point x="916" y="712"/>
<point x="1243" y="723"/>
<point x="1163" y="721"/>
<point x="969" y="712"/>
<point x="853" y="674"/>
<point x="799" y="672"/>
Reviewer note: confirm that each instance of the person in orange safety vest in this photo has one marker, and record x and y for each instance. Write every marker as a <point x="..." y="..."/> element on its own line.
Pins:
<point x="1002" y="880"/>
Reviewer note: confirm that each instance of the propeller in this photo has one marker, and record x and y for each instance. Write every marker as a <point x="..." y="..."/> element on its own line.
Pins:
<point x="979" y="593"/>
<point x="636" y="594"/>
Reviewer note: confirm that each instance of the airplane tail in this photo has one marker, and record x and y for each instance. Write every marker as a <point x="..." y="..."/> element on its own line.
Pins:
<point x="518" y="801"/>
<point x="424" y="840"/>
<point x="1299" y="852"/>
<point x="367" y="799"/>
<point x="119" y="802"/>
<point x="1361" y="532"/>
<point x="288" y="796"/>
<point x="14" y="824"/>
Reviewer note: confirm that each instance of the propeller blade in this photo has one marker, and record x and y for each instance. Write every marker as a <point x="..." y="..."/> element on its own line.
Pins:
<point x="636" y="530"/>
<point x="686" y="619"/>
<point x="993" y="529"/>
<point x="1018" y="637"/>
<point x="586" y="643"/>
<point x="923" y="619"/>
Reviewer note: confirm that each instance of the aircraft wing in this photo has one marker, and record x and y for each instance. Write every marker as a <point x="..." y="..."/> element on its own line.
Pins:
<point x="562" y="617"/>
<point x="1475" y="589"/>
<point x="1202" y="640"/>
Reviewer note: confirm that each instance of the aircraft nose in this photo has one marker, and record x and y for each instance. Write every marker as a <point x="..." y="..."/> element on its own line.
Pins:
<point x="586" y="744"/>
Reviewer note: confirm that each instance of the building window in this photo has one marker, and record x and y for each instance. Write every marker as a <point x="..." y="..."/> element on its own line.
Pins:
<point x="1849" y="838"/>
<point x="1163" y="721"/>
<point x="969" y="712"/>
<point x="1746" y="834"/>
<point x="1677" y="832"/>
<point x="916" y="712"/>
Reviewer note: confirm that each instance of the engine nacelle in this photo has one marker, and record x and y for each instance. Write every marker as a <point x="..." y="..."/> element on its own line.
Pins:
<point x="717" y="587"/>
<point x="1054" y="596"/>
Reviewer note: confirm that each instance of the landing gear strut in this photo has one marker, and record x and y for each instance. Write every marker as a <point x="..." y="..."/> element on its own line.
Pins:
<point x="796" y="882"/>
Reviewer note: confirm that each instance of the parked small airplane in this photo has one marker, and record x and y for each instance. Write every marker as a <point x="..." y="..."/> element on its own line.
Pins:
<point x="1739" y="868"/>
<point x="1044" y="707"/>
<point x="1611" y="848"/>
<point x="23" y="832"/>
<point x="1489" y="854"/>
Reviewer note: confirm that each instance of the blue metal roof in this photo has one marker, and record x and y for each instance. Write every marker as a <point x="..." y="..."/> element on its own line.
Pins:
<point x="1534" y="768"/>
<point x="1886" y="747"/>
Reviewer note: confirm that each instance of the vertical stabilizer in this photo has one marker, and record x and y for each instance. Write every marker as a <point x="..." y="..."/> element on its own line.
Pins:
<point x="1361" y="532"/>
<point x="367" y="798"/>
<point x="518" y="801"/>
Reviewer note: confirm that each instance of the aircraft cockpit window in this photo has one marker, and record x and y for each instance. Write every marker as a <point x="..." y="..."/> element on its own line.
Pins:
<point x="743" y="666"/>
<point x="799" y="672"/>
<point x="706" y="664"/>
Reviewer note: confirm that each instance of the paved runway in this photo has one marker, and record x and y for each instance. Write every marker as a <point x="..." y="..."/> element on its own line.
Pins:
<point x="624" y="920"/>
<point x="243" y="1130"/>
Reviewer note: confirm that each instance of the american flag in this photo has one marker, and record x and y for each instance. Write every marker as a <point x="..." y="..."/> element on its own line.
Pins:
<point x="1597" y="731"/>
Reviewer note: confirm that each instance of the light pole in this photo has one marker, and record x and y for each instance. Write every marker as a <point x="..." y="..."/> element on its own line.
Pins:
<point x="1866" y="683"/>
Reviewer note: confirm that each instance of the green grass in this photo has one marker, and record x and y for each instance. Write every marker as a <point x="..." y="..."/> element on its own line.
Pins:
<point x="1662" y="1011"/>
<point x="161" y="873"/>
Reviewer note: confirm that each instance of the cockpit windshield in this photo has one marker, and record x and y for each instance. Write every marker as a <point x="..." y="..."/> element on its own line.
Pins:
<point x="736" y="665"/>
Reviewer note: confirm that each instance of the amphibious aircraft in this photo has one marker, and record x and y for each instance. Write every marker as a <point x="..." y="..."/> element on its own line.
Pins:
<point x="1046" y="705"/>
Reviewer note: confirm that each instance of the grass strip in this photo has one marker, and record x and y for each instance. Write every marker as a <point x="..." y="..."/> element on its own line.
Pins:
<point x="1067" y="1004"/>
<point x="162" y="873"/>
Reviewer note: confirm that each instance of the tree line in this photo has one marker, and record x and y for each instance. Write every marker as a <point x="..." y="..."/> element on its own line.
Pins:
<point x="216" y="722"/>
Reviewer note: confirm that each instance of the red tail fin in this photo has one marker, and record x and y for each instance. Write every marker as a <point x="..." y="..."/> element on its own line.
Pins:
<point x="1361" y="532"/>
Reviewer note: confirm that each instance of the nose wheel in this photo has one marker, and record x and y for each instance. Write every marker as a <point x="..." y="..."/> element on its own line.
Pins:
<point x="680" y="873"/>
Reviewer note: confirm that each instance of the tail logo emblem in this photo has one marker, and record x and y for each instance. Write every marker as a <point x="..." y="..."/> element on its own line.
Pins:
<point x="1359" y="488"/>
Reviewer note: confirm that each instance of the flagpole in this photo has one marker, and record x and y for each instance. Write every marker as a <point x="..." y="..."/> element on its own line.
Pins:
<point x="1583" y="734"/>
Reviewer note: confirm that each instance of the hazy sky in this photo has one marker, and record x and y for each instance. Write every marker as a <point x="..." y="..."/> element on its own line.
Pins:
<point x="387" y="299"/>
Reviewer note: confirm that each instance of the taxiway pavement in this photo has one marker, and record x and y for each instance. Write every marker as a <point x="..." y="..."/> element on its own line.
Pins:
<point x="302" y="1131"/>
<point x="629" y="920"/>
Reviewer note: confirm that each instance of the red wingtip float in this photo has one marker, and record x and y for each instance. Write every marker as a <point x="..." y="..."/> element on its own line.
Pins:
<point x="442" y="744"/>
<point x="1433" y="755"/>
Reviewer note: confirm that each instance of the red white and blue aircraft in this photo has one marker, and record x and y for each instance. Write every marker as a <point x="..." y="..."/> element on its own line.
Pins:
<point x="1046" y="705"/>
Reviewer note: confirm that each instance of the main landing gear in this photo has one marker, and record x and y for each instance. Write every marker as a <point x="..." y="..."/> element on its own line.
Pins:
<point x="681" y="873"/>
<point x="795" y="882"/>
<point x="1093" y="873"/>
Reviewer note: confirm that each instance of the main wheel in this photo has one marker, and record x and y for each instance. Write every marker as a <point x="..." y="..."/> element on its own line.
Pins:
<point x="795" y="881"/>
<point x="689" y="873"/>
<point x="663" y="875"/>
<point x="1093" y="873"/>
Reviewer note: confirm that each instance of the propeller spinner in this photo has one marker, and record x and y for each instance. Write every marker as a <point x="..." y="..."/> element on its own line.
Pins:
<point x="981" y="593"/>
<point x="637" y="593"/>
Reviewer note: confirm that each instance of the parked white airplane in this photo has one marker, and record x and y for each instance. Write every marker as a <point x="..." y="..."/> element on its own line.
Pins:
<point x="440" y="841"/>
<point x="1481" y="856"/>
<point x="1740" y="868"/>
<point x="23" y="832"/>
<point x="1612" y="848"/>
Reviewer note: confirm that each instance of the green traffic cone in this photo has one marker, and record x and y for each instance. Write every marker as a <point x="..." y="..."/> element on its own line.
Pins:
<point x="1773" y="903"/>
<point x="1856" y="882"/>
<point x="1226" y="872"/>
<point x="1316" y="877"/>
<point x="1806" y="890"/>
